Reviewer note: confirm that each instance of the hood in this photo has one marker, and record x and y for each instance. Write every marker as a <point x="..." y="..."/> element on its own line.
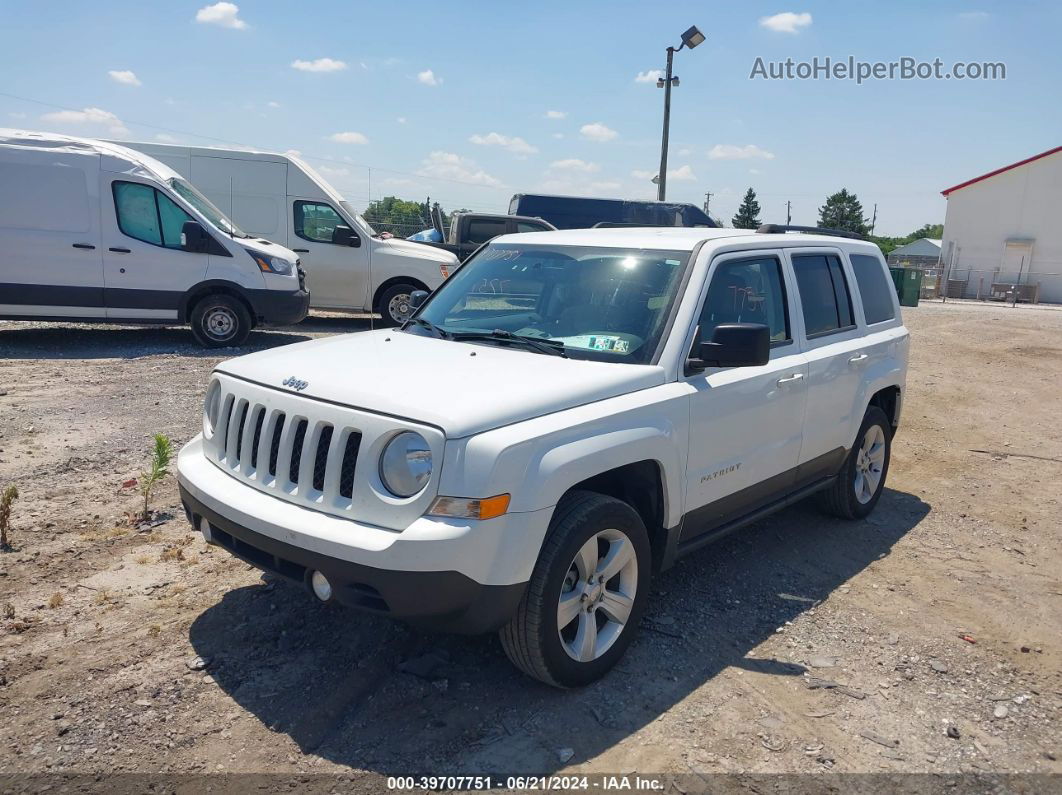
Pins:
<point x="259" y="245"/>
<point x="407" y="248"/>
<point x="439" y="382"/>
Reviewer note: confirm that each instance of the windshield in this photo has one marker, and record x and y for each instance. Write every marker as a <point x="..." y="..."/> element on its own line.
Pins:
<point x="606" y="304"/>
<point x="361" y="220"/>
<point x="205" y="208"/>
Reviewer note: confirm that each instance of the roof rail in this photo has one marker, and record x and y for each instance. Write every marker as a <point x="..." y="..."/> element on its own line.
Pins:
<point x="779" y="229"/>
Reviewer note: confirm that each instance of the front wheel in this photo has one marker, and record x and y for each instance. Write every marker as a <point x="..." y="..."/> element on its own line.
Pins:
<point x="862" y="478"/>
<point x="219" y="321"/>
<point x="586" y="594"/>
<point x="394" y="305"/>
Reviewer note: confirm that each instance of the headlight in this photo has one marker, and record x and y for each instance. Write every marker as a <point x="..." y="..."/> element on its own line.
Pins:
<point x="211" y="407"/>
<point x="268" y="264"/>
<point x="405" y="465"/>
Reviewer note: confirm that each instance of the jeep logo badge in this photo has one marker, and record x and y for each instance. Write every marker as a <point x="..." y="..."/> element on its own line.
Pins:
<point x="295" y="383"/>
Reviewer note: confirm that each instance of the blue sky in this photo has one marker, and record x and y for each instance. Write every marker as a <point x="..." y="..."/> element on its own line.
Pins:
<point x="455" y="99"/>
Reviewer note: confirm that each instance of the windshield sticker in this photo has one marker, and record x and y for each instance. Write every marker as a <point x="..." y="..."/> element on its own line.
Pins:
<point x="614" y="344"/>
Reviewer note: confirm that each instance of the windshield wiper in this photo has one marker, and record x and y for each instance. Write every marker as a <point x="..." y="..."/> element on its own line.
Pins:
<point x="547" y="346"/>
<point x="441" y="333"/>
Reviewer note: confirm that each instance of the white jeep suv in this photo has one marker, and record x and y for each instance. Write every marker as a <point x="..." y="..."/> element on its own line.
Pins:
<point x="565" y="416"/>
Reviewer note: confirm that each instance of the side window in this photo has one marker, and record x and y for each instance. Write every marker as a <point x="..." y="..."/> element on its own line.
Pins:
<point x="316" y="222"/>
<point x="524" y="226"/>
<point x="875" y="288"/>
<point x="747" y="291"/>
<point x="173" y="218"/>
<point x="138" y="217"/>
<point x="824" y="297"/>
<point x="480" y="231"/>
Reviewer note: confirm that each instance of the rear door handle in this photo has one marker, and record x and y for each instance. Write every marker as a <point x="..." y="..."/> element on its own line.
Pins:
<point x="119" y="250"/>
<point x="790" y="379"/>
<point x="862" y="357"/>
<point x="301" y="250"/>
<point x="84" y="245"/>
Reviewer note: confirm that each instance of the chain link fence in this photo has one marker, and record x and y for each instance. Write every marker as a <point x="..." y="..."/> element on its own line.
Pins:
<point x="989" y="284"/>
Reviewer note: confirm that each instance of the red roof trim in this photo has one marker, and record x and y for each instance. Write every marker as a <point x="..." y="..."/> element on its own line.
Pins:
<point x="1001" y="170"/>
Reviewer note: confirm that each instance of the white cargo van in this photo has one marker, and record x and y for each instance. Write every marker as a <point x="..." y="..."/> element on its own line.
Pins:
<point x="92" y="231"/>
<point x="348" y="267"/>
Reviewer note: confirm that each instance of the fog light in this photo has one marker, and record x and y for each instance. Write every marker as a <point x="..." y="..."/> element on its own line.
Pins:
<point x="322" y="588"/>
<point x="204" y="528"/>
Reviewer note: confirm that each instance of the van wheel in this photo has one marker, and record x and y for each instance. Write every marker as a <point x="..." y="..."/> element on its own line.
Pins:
<point x="394" y="304"/>
<point x="219" y="321"/>
<point x="862" y="478"/>
<point x="586" y="595"/>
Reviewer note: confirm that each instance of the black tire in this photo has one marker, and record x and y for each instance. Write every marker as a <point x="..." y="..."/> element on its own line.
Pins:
<point x="220" y="321"/>
<point x="391" y="299"/>
<point x="841" y="499"/>
<point x="532" y="639"/>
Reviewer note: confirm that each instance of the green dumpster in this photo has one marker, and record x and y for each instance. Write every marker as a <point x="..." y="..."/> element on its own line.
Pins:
<point x="908" y="282"/>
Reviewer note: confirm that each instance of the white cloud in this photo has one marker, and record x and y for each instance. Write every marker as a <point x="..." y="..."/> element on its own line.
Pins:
<point x="223" y="14"/>
<point x="556" y="114"/>
<point x="401" y="119"/>
<point x="680" y="174"/>
<point x="428" y="78"/>
<point x="348" y="138"/>
<point x="319" y="65"/>
<point x="598" y="132"/>
<point x="974" y="16"/>
<point x="640" y="174"/>
<point x="649" y="76"/>
<point x="163" y="138"/>
<point x="124" y="76"/>
<point x="273" y="104"/>
<point x="574" y="164"/>
<point x="755" y="171"/>
<point x="447" y="165"/>
<point x="786" y="22"/>
<point x="292" y="152"/>
<point x="90" y="116"/>
<point x="17" y="115"/>
<point x="732" y="152"/>
<point x="329" y="171"/>
<point x="685" y="152"/>
<point x="558" y="136"/>
<point x="513" y="144"/>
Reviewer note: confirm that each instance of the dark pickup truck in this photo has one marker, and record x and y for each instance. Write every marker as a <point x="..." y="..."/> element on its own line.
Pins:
<point x="468" y="231"/>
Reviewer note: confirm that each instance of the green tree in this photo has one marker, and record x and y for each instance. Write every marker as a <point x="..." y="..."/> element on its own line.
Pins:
<point x="748" y="214"/>
<point x="397" y="216"/>
<point x="843" y="210"/>
<point x="935" y="231"/>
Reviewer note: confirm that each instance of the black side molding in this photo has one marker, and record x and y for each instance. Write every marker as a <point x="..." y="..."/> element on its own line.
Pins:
<point x="84" y="245"/>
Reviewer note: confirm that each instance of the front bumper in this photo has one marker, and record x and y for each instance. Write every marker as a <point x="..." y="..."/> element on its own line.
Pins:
<point x="280" y="307"/>
<point x="445" y="601"/>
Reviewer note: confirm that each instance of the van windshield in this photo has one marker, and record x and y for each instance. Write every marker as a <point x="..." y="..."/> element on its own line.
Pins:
<point x="350" y="209"/>
<point x="605" y="304"/>
<point x="205" y="208"/>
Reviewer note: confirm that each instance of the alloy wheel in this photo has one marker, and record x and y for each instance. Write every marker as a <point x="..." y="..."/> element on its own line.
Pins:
<point x="870" y="461"/>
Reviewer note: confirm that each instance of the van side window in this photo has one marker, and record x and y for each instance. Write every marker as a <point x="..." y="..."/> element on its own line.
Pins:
<point x="316" y="222"/>
<point x="482" y="230"/>
<point x="747" y="291"/>
<point x="824" y="296"/>
<point x="875" y="288"/>
<point x="149" y="215"/>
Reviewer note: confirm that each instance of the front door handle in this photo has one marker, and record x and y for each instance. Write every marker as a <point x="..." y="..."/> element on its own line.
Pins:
<point x="790" y="379"/>
<point x="301" y="250"/>
<point x="862" y="357"/>
<point x="84" y="245"/>
<point x="119" y="250"/>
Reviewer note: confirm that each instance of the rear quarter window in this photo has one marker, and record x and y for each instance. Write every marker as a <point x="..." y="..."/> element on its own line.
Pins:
<point x="875" y="288"/>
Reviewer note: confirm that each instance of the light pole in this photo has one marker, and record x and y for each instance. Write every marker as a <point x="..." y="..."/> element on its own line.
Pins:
<point x="691" y="38"/>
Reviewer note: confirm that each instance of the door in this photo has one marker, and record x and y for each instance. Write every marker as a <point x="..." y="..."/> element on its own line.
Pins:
<point x="745" y="422"/>
<point x="50" y="263"/>
<point x="1017" y="257"/>
<point x="835" y="347"/>
<point x="145" y="272"/>
<point x="336" y="274"/>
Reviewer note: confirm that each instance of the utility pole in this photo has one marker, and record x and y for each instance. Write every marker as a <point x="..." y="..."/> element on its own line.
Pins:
<point x="788" y="213"/>
<point x="661" y="187"/>
<point x="874" y="219"/>
<point x="707" y="199"/>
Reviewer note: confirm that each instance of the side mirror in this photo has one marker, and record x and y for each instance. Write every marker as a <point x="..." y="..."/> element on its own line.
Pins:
<point x="417" y="297"/>
<point x="734" y="345"/>
<point x="194" y="238"/>
<point x="345" y="236"/>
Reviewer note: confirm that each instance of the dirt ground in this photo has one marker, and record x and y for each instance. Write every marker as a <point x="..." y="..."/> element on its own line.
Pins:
<point x="927" y="638"/>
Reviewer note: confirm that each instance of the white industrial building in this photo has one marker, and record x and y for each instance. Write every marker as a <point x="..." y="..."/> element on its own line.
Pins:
<point x="1003" y="229"/>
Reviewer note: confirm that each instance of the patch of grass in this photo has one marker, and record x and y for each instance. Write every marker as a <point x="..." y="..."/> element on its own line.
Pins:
<point x="104" y="596"/>
<point x="9" y="610"/>
<point x="7" y="499"/>
<point x="55" y="601"/>
<point x="143" y="559"/>
<point x="154" y="630"/>
<point x="161" y="454"/>
<point x="171" y="553"/>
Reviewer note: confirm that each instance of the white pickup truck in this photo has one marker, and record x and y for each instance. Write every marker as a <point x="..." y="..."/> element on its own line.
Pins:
<point x="569" y="413"/>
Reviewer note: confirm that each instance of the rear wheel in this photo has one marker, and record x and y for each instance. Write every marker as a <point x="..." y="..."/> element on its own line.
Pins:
<point x="394" y="305"/>
<point x="586" y="594"/>
<point x="862" y="478"/>
<point x="219" y="321"/>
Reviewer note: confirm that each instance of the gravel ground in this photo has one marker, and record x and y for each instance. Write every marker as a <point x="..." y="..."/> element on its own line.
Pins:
<point x="924" y="639"/>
